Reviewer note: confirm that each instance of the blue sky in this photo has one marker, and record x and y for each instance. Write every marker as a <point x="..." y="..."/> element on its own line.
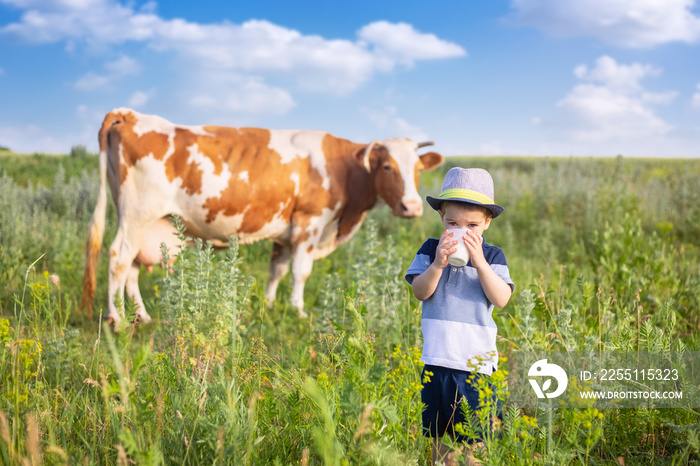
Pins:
<point x="491" y="77"/>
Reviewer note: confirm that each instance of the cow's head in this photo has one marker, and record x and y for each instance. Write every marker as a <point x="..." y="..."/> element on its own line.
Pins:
<point x="395" y="167"/>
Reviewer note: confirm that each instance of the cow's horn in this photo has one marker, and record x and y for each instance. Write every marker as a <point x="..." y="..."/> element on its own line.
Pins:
<point x="368" y="152"/>
<point x="426" y="143"/>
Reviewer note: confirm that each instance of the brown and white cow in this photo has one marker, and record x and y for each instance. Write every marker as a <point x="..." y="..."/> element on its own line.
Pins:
<point x="308" y="191"/>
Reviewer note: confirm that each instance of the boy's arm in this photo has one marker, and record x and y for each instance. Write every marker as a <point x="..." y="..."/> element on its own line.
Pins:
<point x="495" y="288"/>
<point x="424" y="285"/>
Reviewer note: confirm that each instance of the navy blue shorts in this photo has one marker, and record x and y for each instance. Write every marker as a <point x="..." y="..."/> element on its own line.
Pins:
<point x="442" y="396"/>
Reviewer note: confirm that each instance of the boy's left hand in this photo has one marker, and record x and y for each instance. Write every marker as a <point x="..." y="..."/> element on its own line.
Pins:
<point x="474" y="242"/>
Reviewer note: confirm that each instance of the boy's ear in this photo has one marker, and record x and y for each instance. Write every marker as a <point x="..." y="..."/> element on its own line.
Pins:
<point x="488" y="222"/>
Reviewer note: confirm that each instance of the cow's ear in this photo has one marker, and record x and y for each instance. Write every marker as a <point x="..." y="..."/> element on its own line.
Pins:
<point x="363" y="155"/>
<point x="431" y="160"/>
<point x="360" y="157"/>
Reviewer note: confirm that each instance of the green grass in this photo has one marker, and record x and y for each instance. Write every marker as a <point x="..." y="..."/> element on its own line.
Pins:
<point x="42" y="168"/>
<point x="603" y="253"/>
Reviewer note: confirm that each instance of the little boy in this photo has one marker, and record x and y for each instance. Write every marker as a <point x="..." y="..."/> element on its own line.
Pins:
<point x="459" y="333"/>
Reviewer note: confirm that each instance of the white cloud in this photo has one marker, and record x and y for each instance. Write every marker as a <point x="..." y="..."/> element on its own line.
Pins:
<point x="313" y="63"/>
<point x="628" y="23"/>
<point x="401" y="43"/>
<point x="623" y="78"/>
<point x="92" y="82"/>
<point x="597" y="113"/>
<point x="140" y="98"/>
<point x="36" y="138"/>
<point x="123" y="66"/>
<point x="388" y="121"/>
<point x="259" y="50"/>
<point x="54" y="5"/>
<point x="93" y="21"/>
<point x="26" y="139"/>
<point x="244" y="96"/>
<point x="262" y="49"/>
<point x="695" y="102"/>
<point x="614" y="106"/>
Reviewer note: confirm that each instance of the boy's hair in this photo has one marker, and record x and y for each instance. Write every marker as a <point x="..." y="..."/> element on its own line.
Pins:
<point x="467" y="206"/>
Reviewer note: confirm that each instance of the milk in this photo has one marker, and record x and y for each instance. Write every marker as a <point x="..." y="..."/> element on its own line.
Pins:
<point x="460" y="257"/>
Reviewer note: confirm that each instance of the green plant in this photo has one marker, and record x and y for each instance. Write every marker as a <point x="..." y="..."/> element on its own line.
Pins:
<point x="603" y="253"/>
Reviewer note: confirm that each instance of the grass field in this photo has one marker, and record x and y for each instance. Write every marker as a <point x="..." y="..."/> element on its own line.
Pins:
<point x="603" y="251"/>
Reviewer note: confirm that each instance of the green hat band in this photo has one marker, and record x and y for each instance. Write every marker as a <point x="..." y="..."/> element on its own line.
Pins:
<point x="466" y="194"/>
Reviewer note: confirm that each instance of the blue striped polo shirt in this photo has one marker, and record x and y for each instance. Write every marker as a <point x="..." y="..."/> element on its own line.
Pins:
<point x="457" y="320"/>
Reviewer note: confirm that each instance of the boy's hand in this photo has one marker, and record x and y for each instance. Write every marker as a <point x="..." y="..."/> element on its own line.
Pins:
<point x="445" y="247"/>
<point x="476" y="251"/>
<point x="424" y="284"/>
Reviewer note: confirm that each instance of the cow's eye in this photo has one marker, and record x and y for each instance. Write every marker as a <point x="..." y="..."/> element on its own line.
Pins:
<point x="387" y="167"/>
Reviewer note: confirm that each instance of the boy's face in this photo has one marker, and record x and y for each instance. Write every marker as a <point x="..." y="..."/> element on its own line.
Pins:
<point x="455" y="215"/>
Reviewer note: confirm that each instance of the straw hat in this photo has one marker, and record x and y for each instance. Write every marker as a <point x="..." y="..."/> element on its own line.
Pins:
<point x="470" y="185"/>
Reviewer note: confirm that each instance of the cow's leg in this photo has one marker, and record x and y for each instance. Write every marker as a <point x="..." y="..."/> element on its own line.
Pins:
<point x="301" y="269"/>
<point x="133" y="292"/>
<point x="114" y="316"/>
<point x="121" y="257"/>
<point x="146" y="244"/>
<point x="279" y="266"/>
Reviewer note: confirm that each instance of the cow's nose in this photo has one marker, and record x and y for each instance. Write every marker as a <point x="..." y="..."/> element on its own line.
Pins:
<point x="412" y="208"/>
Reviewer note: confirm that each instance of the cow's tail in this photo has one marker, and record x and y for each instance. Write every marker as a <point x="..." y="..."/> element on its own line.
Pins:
<point x="97" y="223"/>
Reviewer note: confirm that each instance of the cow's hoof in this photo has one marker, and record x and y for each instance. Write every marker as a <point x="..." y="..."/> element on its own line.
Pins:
<point x="113" y="323"/>
<point x="141" y="319"/>
<point x="303" y="314"/>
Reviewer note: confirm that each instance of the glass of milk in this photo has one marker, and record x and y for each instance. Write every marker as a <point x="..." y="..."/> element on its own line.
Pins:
<point x="460" y="257"/>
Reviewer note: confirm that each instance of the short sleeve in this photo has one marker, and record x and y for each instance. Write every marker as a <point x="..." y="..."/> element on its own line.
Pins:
<point x="498" y="263"/>
<point x="424" y="257"/>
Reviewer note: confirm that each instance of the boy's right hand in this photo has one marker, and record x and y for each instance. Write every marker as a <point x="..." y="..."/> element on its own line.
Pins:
<point x="446" y="246"/>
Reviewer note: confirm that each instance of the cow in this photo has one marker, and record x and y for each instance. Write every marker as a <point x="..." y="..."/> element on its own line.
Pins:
<point x="307" y="191"/>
